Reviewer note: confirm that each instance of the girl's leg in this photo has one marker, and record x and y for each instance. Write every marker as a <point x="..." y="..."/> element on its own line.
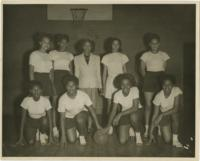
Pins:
<point x="135" y="119"/>
<point x="81" y="124"/>
<point x="175" y="126"/>
<point x="71" y="135"/>
<point x="123" y="133"/>
<point x="166" y="133"/>
<point x="148" y="103"/>
<point x="54" y="118"/>
<point x="109" y="101"/>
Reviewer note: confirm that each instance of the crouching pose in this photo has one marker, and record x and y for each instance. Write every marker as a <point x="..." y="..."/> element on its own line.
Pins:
<point x="126" y="109"/>
<point x="73" y="107"/>
<point x="166" y="111"/>
<point x="36" y="124"/>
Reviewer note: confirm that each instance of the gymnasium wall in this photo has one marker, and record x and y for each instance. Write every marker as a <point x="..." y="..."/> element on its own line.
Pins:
<point x="175" y="24"/>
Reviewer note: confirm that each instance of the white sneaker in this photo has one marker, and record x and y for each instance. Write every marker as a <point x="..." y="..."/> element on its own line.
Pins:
<point x="43" y="139"/>
<point x="82" y="140"/>
<point x="38" y="135"/>
<point x="177" y="144"/>
<point x="131" y="132"/>
<point x="55" y="132"/>
<point x="138" y="139"/>
<point x="110" y="132"/>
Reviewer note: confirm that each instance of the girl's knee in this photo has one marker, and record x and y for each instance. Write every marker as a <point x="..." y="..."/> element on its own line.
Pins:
<point x="72" y="140"/>
<point x="81" y="118"/>
<point x="122" y="140"/>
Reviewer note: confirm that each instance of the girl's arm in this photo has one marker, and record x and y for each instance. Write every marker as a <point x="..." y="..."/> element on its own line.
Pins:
<point x="71" y="67"/>
<point x="62" y="124"/>
<point x="165" y="65"/>
<point x="155" y="115"/>
<point x="142" y="68"/>
<point x="105" y="74"/>
<point x="176" y="106"/>
<point x="50" y="124"/>
<point x="112" y="114"/>
<point x="124" y="68"/>
<point x="131" y="110"/>
<point x="94" y="116"/>
<point x="99" y="73"/>
<point x="22" y="126"/>
<point x="31" y="72"/>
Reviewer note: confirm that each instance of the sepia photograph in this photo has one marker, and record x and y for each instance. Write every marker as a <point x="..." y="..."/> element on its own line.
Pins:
<point x="99" y="80"/>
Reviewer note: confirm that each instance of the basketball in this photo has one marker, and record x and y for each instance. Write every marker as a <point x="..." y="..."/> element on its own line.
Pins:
<point x="100" y="138"/>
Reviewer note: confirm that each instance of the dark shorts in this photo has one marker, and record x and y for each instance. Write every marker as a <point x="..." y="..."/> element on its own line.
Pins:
<point x="71" y="122"/>
<point x="46" y="83"/>
<point x="58" y="81"/>
<point x="152" y="81"/>
<point x="126" y="119"/>
<point x="32" y="125"/>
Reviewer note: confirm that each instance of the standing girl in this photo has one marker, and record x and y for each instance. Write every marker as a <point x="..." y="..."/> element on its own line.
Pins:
<point x="62" y="65"/>
<point x="153" y="65"/>
<point x="87" y="70"/>
<point x="40" y="65"/>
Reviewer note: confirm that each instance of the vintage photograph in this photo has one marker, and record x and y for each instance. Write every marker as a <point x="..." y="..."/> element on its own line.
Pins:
<point x="99" y="80"/>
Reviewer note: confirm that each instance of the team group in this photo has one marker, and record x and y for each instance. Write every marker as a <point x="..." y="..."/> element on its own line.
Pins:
<point x="75" y="86"/>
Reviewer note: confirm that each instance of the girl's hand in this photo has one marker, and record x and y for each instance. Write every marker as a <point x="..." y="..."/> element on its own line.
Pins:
<point x="116" y="119"/>
<point x="158" y="119"/>
<point x="105" y="130"/>
<point x="63" y="142"/>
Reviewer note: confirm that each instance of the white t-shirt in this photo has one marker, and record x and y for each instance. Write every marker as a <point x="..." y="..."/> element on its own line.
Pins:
<point x="36" y="109"/>
<point x="127" y="101"/>
<point x="73" y="106"/>
<point x="155" y="62"/>
<point x="114" y="63"/>
<point x="61" y="59"/>
<point x="166" y="103"/>
<point x="40" y="61"/>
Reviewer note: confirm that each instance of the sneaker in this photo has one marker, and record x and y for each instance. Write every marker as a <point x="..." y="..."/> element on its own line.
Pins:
<point x="55" y="132"/>
<point x="177" y="144"/>
<point x="139" y="140"/>
<point x="82" y="140"/>
<point x="131" y="132"/>
<point x="110" y="132"/>
<point x="43" y="139"/>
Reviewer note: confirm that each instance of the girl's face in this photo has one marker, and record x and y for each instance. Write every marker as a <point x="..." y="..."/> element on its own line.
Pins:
<point x="115" y="46"/>
<point x="36" y="92"/>
<point x="71" y="88"/>
<point x="154" y="45"/>
<point x="63" y="44"/>
<point x="45" y="43"/>
<point x="87" y="47"/>
<point x="167" y="87"/>
<point x="125" y="86"/>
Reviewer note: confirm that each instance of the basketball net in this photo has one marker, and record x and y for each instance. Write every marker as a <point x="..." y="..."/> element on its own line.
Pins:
<point x="78" y="14"/>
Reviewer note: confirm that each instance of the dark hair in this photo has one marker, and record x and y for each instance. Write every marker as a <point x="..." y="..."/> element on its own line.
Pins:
<point x="59" y="37"/>
<point x="83" y="41"/>
<point x="39" y="36"/>
<point x="69" y="78"/>
<point x="154" y="36"/>
<point x="119" y="78"/>
<point x="34" y="83"/>
<point x="169" y="77"/>
<point x="109" y="42"/>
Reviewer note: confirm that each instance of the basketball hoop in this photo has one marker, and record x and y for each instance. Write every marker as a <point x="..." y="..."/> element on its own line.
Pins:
<point x="78" y="14"/>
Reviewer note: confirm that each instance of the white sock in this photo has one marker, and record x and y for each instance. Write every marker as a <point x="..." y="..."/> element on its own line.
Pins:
<point x="159" y="131"/>
<point x="146" y="129"/>
<point x="110" y="130"/>
<point x="138" y="138"/>
<point x="131" y="132"/>
<point x="55" y="131"/>
<point x="38" y="135"/>
<point x="175" y="137"/>
<point x="77" y="133"/>
<point x="43" y="138"/>
<point x="82" y="140"/>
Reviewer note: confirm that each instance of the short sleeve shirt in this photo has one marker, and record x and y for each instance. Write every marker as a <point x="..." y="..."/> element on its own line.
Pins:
<point x="73" y="106"/>
<point x="40" y="61"/>
<point x="114" y="63"/>
<point x="166" y="103"/>
<point x="61" y="59"/>
<point x="155" y="62"/>
<point x="127" y="101"/>
<point x="36" y="109"/>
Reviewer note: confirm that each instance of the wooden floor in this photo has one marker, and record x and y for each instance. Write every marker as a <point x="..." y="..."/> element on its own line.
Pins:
<point x="111" y="149"/>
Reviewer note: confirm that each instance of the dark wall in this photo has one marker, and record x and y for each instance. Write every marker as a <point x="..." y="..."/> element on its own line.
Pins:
<point x="174" y="23"/>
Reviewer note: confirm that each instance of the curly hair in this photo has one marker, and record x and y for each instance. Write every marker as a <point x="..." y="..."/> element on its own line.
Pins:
<point x="119" y="78"/>
<point x="34" y="83"/>
<point x="39" y="36"/>
<point x="169" y="77"/>
<point x="154" y="36"/>
<point x="70" y="78"/>
<point x="109" y="41"/>
<point x="59" y="37"/>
